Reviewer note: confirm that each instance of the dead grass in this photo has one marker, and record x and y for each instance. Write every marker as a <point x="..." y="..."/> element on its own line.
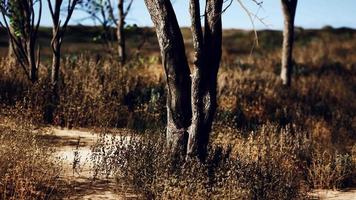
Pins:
<point x="318" y="112"/>
<point x="27" y="169"/>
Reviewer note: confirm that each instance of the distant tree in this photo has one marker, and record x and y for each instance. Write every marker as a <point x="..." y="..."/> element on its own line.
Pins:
<point x="120" y="24"/>
<point x="19" y="19"/>
<point x="104" y="12"/>
<point x="191" y="103"/>
<point x="289" y="8"/>
<point x="57" y="9"/>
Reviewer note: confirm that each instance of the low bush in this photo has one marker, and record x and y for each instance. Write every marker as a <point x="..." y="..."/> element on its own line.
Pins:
<point x="270" y="164"/>
<point x="27" y="169"/>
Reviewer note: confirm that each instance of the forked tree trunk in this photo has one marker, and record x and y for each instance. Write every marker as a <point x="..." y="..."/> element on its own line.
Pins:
<point x="58" y="31"/>
<point x="289" y="9"/>
<point x="121" y="33"/>
<point x="204" y="80"/>
<point x="190" y="106"/>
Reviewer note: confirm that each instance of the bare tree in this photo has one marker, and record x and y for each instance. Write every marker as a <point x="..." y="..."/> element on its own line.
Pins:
<point x="58" y="31"/>
<point x="19" y="18"/>
<point x="289" y="8"/>
<point x="104" y="12"/>
<point x="121" y="29"/>
<point x="191" y="102"/>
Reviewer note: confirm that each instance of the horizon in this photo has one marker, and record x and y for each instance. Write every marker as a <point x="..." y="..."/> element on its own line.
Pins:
<point x="310" y="15"/>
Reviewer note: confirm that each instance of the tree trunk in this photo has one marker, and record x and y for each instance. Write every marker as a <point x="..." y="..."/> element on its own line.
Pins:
<point x="11" y="54"/>
<point x="54" y="93"/>
<point x="289" y="8"/>
<point x="31" y="56"/>
<point x="177" y="73"/>
<point x="204" y="80"/>
<point x="53" y="99"/>
<point x="190" y="106"/>
<point x="121" y="33"/>
<point x="56" y="61"/>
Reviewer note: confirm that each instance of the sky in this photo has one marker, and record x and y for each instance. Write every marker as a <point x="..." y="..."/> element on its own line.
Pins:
<point x="310" y="14"/>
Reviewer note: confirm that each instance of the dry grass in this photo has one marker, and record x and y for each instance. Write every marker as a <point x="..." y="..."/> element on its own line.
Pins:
<point x="27" y="169"/>
<point x="271" y="131"/>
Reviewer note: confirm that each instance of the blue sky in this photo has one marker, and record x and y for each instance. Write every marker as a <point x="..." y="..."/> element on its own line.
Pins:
<point x="310" y="14"/>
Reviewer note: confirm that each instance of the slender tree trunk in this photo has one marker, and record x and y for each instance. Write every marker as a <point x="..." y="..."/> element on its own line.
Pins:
<point x="11" y="53"/>
<point x="53" y="98"/>
<point x="32" y="61"/>
<point x="56" y="62"/>
<point x="121" y="33"/>
<point x="289" y="8"/>
<point x="55" y="69"/>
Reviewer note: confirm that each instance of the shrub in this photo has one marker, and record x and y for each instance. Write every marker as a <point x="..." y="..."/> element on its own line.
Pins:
<point x="267" y="165"/>
<point x="27" y="170"/>
<point x="330" y="170"/>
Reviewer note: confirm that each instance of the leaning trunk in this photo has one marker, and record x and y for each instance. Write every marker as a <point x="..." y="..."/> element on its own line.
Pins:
<point x="121" y="34"/>
<point x="289" y="8"/>
<point x="177" y="74"/>
<point x="204" y="79"/>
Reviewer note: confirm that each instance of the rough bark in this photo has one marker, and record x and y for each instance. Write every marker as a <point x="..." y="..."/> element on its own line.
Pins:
<point x="177" y="73"/>
<point x="121" y="33"/>
<point x="191" y="106"/>
<point x="289" y="9"/>
<point x="33" y="61"/>
<point x="204" y="79"/>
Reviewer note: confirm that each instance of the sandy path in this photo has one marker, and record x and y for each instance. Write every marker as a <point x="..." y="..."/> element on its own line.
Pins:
<point x="335" y="195"/>
<point x="80" y="177"/>
<point x="73" y="148"/>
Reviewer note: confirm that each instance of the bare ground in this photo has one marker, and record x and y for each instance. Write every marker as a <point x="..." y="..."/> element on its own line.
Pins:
<point x="73" y="148"/>
<point x="84" y="187"/>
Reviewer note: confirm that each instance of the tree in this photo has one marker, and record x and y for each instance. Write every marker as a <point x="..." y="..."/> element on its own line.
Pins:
<point x="19" y="18"/>
<point x="104" y="12"/>
<point x="120" y="24"/>
<point x="58" y="31"/>
<point x="11" y="54"/>
<point x="191" y="99"/>
<point x="289" y="9"/>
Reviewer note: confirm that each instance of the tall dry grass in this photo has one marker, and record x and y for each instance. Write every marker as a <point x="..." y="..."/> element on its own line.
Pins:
<point x="27" y="168"/>
<point x="318" y="112"/>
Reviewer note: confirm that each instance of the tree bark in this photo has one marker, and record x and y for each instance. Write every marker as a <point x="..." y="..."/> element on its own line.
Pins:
<point x="204" y="80"/>
<point x="121" y="33"/>
<point x="11" y="54"/>
<point x="289" y="9"/>
<point x="191" y="102"/>
<point x="177" y="73"/>
<point x="32" y="60"/>
<point x="56" y="62"/>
